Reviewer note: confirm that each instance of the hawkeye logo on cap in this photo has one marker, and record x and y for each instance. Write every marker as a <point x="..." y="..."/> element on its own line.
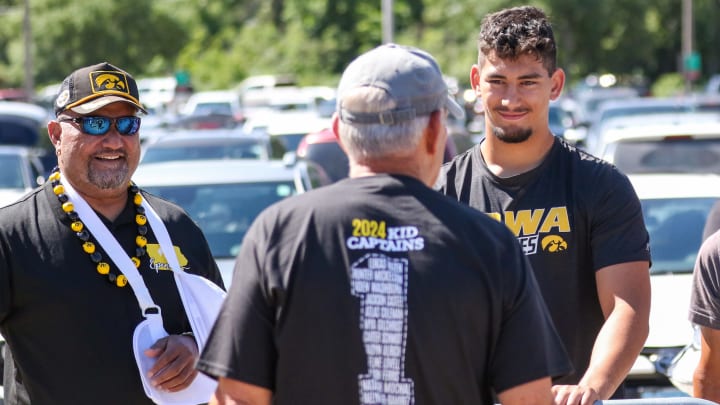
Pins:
<point x="104" y="81"/>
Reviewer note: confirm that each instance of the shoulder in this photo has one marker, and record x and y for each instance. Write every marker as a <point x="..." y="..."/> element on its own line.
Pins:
<point x="592" y="175"/>
<point x="710" y="248"/>
<point x="456" y="169"/>
<point x="585" y="161"/>
<point x="23" y="207"/>
<point x="459" y="162"/>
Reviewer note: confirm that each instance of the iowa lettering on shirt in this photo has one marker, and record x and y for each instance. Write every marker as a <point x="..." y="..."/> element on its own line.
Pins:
<point x="529" y="225"/>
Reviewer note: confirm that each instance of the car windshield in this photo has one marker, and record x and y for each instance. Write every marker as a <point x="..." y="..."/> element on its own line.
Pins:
<point x="282" y="143"/>
<point x="239" y="150"/>
<point x="682" y="155"/>
<point x="10" y="172"/>
<point x="675" y="226"/>
<point x="213" y="108"/>
<point x="224" y="212"/>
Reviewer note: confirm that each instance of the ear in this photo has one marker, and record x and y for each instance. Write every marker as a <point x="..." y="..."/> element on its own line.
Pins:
<point x="433" y="137"/>
<point x="475" y="79"/>
<point x="335" y="121"/>
<point x="558" y="82"/>
<point x="54" y="132"/>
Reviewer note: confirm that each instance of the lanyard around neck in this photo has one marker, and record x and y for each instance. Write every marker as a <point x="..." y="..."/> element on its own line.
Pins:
<point x="112" y="247"/>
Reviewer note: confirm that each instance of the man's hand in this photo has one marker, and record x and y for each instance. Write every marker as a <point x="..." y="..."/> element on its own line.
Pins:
<point x="174" y="368"/>
<point x="574" y="395"/>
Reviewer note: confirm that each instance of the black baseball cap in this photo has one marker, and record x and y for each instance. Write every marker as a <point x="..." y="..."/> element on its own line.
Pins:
<point x="93" y="87"/>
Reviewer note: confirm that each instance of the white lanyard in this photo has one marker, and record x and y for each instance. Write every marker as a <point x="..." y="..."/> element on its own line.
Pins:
<point x="115" y="251"/>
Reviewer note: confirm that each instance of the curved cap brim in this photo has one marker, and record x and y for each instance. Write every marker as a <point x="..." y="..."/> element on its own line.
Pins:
<point x="98" y="103"/>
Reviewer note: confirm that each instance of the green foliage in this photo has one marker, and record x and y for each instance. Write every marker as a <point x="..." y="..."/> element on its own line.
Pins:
<point x="669" y="84"/>
<point x="220" y="42"/>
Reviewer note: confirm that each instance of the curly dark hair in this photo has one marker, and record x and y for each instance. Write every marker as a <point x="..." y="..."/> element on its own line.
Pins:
<point x="518" y="31"/>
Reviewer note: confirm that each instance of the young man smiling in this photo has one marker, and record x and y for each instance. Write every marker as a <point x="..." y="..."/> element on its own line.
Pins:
<point x="577" y="218"/>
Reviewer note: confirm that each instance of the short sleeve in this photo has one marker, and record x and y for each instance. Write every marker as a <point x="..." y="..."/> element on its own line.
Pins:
<point x="5" y="293"/>
<point x="240" y="345"/>
<point x="618" y="233"/>
<point x="705" y="296"/>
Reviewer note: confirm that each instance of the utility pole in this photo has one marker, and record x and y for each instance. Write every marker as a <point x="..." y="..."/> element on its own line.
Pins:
<point x="27" y="39"/>
<point x="687" y="46"/>
<point x="387" y="21"/>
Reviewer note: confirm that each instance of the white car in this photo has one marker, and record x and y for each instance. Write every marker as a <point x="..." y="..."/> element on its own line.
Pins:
<point x="687" y="146"/>
<point x="222" y="196"/>
<point x="216" y="102"/>
<point x="675" y="207"/>
<point x="21" y="170"/>
<point x="202" y="144"/>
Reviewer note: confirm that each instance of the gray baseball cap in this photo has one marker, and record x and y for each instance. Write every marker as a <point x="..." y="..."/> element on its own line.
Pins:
<point x="409" y="75"/>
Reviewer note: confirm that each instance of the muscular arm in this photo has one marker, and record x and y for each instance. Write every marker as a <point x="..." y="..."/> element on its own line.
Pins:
<point x="706" y="379"/>
<point x="533" y="392"/>
<point x="234" y="392"/>
<point x="624" y="293"/>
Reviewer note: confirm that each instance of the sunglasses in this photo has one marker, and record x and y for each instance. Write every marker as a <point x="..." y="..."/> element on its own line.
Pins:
<point x="99" y="126"/>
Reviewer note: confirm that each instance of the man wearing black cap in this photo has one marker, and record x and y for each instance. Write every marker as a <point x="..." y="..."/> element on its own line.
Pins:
<point x="66" y="309"/>
<point x="377" y="289"/>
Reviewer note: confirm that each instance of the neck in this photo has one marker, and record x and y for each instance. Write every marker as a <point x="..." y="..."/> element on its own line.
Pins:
<point x="108" y="202"/>
<point x="393" y="165"/>
<point x="511" y="159"/>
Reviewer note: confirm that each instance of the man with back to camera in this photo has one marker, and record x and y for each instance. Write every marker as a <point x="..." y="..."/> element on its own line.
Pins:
<point x="577" y="218"/>
<point x="704" y="313"/>
<point x="377" y="289"/>
<point x="66" y="308"/>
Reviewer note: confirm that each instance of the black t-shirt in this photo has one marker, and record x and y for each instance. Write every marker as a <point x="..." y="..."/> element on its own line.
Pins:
<point x="69" y="329"/>
<point x="378" y="289"/>
<point x="573" y="215"/>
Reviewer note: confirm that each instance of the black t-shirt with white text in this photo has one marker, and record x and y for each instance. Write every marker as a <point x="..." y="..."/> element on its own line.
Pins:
<point x="380" y="290"/>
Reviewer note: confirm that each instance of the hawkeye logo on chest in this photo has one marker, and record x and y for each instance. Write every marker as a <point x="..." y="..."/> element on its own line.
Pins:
<point x="159" y="262"/>
<point x="529" y="225"/>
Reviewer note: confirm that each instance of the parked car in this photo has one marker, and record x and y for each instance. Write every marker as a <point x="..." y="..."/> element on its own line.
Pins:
<point x="610" y="110"/>
<point x="286" y="130"/>
<point x="205" y="144"/>
<point x="222" y="196"/>
<point x="218" y="103"/>
<point x="323" y="148"/>
<point x="683" y="147"/>
<point x="21" y="170"/>
<point x="675" y="207"/>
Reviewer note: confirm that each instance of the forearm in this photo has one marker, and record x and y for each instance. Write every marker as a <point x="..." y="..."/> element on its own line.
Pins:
<point x="234" y="392"/>
<point x="616" y="348"/>
<point x="706" y="384"/>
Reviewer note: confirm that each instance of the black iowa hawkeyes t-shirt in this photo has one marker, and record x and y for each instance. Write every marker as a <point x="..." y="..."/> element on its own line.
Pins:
<point x="572" y="215"/>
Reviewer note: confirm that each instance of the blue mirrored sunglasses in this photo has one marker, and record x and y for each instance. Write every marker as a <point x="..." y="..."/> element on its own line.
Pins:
<point x="98" y="126"/>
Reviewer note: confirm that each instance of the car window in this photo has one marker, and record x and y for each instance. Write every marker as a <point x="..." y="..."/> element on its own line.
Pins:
<point x="669" y="156"/>
<point x="11" y="175"/>
<point x="248" y="150"/>
<point x="675" y="226"/>
<point x="282" y="143"/>
<point x="213" y="108"/>
<point x="224" y="212"/>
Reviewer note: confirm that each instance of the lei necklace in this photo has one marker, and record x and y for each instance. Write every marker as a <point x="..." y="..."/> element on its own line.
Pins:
<point x="89" y="247"/>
